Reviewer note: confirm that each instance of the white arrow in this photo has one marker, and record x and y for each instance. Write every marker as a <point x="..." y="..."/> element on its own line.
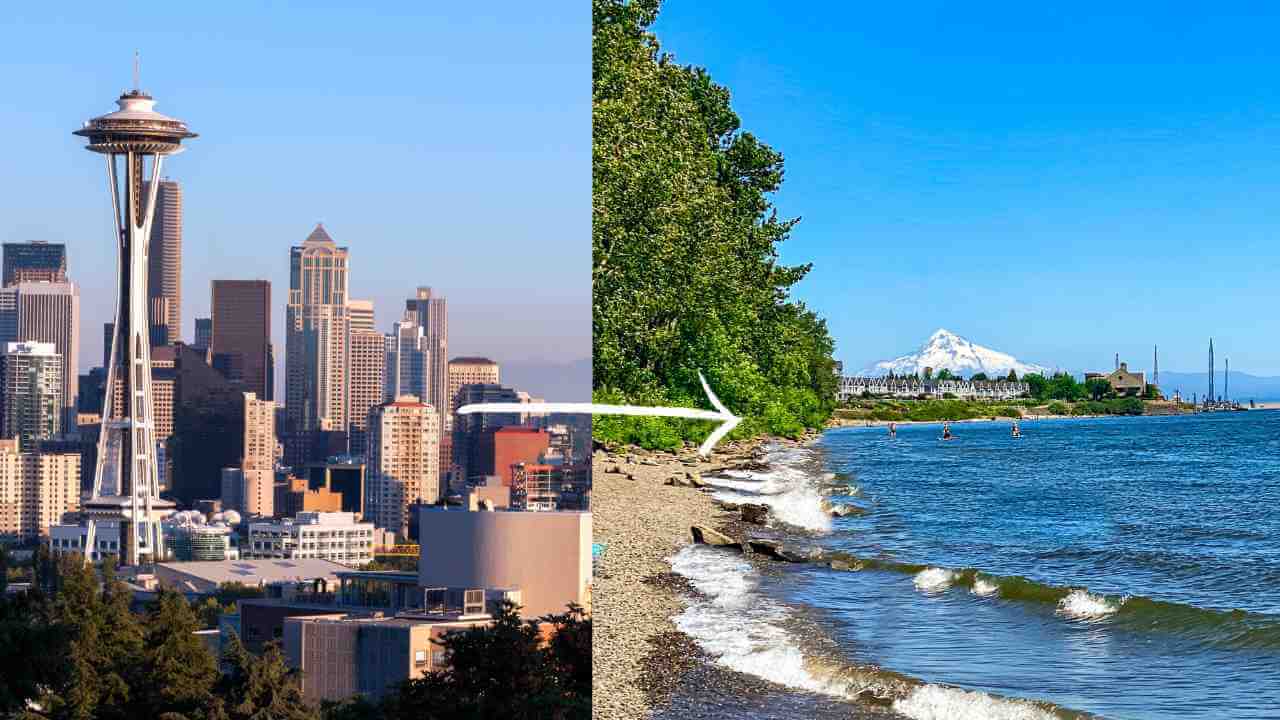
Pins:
<point x="728" y="420"/>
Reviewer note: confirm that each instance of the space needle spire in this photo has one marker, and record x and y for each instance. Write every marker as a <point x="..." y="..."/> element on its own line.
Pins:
<point x="134" y="139"/>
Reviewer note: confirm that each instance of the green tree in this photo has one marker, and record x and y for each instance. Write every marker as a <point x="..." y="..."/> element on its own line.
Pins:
<point x="685" y="267"/>
<point x="260" y="688"/>
<point x="927" y="374"/>
<point x="945" y="374"/>
<point x="1037" y="385"/>
<point x="979" y="377"/>
<point x="1012" y="376"/>
<point x="178" y="671"/>
<point x="1097" y="388"/>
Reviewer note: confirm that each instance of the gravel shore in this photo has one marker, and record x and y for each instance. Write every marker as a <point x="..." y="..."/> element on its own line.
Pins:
<point x="638" y="656"/>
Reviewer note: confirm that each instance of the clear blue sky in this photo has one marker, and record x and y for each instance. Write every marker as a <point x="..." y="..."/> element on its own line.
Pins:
<point x="1061" y="183"/>
<point x="447" y="144"/>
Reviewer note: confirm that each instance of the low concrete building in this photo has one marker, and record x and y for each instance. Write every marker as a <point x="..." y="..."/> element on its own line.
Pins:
<point x="335" y="536"/>
<point x="273" y="575"/>
<point x="545" y="555"/>
<point x="341" y="655"/>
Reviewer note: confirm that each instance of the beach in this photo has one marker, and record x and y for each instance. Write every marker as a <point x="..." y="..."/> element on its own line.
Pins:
<point x="643" y="507"/>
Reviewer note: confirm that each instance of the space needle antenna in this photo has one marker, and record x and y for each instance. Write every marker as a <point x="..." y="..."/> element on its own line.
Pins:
<point x="137" y="70"/>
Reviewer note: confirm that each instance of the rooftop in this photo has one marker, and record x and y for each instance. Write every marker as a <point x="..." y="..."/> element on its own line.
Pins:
<point x="473" y="360"/>
<point x="256" y="572"/>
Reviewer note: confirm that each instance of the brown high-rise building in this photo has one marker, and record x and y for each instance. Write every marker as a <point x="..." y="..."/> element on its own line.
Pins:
<point x="240" y="343"/>
<point x="501" y="448"/>
<point x="164" y="271"/>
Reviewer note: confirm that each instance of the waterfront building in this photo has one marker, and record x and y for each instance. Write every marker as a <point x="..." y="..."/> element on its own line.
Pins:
<point x="544" y="555"/>
<point x="852" y="388"/>
<point x="335" y="536"/>
<point x="46" y="312"/>
<point x="36" y="490"/>
<point x="126" y="485"/>
<point x="31" y="407"/>
<point x="240" y="337"/>
<point x="1124" y="382"/>
<point x="164" y="263"/>
<point x="35" y="261"/>
<point x="403" y="459"/>
<point x="316" y="320"/>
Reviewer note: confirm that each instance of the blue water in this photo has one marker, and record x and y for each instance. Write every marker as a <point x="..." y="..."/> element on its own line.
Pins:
<point x="1118" y="567"/>
<point x="1178" y="510"/>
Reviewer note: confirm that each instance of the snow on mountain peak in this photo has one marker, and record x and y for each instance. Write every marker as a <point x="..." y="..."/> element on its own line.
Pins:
<point x="944" y="350"/>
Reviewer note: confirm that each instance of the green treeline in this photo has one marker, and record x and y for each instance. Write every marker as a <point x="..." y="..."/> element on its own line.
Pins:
<point x="685" y="251"/>
<point x="71" y="648"/>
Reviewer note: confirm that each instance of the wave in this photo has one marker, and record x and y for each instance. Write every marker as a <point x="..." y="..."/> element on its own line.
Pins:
<point x="1084" y="605"/>
<point x="788" y="487"/>
<point x="1225" y="628"/>
<point x="933" y="579"/>
<point x="748" y="632"/>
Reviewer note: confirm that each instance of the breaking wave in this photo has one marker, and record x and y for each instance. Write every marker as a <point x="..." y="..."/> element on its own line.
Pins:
<point x="1225" y="628"/>
<point x="788" y="487"/>
<point x="748" y="632"/>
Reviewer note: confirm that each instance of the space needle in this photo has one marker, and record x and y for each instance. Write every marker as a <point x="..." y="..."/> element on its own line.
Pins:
<point x="126" y="493"/>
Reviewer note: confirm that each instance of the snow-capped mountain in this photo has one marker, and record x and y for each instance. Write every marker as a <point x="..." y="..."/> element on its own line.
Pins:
<point x="946" y="350"/>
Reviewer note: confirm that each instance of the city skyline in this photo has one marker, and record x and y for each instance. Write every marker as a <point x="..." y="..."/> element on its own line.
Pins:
<point x="457" y="175"/>
<point x="1015" y="174"/>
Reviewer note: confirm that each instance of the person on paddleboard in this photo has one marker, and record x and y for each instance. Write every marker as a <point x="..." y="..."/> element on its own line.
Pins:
<point x="946" y="431"/>
<point x="1016" y="431"/>
<point x="893" y="430"/>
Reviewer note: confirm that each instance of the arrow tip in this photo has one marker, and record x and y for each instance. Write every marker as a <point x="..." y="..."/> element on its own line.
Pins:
<point x="730" y="420"/>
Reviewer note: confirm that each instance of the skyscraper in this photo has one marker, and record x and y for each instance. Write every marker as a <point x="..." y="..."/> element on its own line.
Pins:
<point x="432" y="315"/>
<point x="463" y="371"/>
<point x="365" y="383"/>
<point x="47" y="312"/>
<point x="361" y="312"/>
<point x="240" y="343"/>
<point x="403" y="461"/>
<point x="36" y="489"/>
<point x="258" y="464"/>
<point x="316" y="335"/>
<point x="164" y="264"/>
<point x="35" y="261"/>
<point x="409" y="363"/>
<point x="468" y="429"/>
<point x="31" y="388"/>
<point x="204" y="333"/>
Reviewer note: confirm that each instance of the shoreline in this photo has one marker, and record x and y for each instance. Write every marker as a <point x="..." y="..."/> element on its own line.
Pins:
<point x="639" y="658"/>
<point x="643" y="507"/>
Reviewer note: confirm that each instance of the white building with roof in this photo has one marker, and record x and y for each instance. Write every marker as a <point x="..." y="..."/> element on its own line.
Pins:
<point x="335" y="536"/>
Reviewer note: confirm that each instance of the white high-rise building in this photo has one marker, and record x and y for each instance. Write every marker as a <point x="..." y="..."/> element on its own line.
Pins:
<point x="403" y="461"/>
<point x="30" y="393"/>
<point x="258" y="465"/>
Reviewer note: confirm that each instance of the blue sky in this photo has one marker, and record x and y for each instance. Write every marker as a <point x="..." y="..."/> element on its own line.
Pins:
<point x="1062" y="183"/>
<point x="446" y="145"/>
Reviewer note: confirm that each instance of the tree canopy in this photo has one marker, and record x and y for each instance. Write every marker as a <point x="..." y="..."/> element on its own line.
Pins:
<point x="685" y="242"/>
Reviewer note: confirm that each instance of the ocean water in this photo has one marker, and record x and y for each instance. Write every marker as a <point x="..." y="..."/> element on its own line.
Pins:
<point x="1114" y="567"/>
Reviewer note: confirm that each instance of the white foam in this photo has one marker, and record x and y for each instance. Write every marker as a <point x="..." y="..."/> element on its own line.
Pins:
<point x="935" y="702"/>
<point x="786" y="487"/>
<point x="984" y="588"/>
<point x="934" y="580"/>
<point x="1083" y="605"/>
<point x="741" y="628"/>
